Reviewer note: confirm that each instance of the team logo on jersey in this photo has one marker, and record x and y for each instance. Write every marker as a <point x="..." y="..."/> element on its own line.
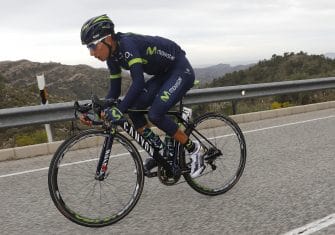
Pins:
<point x="151" y="50"/>
<point x="155" y="51"/>
<point x="166" y="96"/>
<point x="127" y="54"/>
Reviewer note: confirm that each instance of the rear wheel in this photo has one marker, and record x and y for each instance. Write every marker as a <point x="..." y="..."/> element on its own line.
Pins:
<point x="82" y="198"/>
<point x="225" y="154"/>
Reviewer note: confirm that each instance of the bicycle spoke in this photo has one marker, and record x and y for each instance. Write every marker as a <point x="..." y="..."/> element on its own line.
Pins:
<point x="86" y="200"/>
<point x="216" y="131"/>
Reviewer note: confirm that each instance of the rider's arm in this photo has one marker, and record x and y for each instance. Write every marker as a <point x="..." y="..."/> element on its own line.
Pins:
<point x="134" y="61"/>
<point x="115" y="81"/>
<point x="136" y="87"/>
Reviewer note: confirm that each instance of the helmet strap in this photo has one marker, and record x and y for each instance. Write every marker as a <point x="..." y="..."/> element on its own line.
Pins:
<point x="109" y="48"/>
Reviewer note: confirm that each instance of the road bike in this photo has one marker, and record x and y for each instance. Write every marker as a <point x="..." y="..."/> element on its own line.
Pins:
<point x="96" y="176"/>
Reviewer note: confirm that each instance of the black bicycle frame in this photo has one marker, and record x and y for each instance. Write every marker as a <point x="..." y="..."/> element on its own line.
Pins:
<point x="145" y="144"/>
<point x="104" y="158"/>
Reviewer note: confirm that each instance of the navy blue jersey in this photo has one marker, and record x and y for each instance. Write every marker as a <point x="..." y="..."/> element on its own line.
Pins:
<point x="140" y="54"/>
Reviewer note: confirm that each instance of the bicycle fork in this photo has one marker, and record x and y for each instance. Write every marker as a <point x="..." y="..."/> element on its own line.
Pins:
<point x="104" y="158"/>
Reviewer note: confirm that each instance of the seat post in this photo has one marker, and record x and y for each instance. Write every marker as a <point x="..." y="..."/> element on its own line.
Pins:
<point x="181" y="105"/>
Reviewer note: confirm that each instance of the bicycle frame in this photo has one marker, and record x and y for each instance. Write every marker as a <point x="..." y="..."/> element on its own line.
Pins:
<point x="145" y="144"/>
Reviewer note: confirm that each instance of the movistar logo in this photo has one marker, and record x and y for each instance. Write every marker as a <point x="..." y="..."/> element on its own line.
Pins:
<point x="116" y="115"/>
<point x="166" y="96"/>
<point x="155" y="51"/>
<point x="151" y="50"/>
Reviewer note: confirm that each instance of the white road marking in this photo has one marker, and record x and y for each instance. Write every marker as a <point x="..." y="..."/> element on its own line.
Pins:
<point x="25" y="172"/>
<point x="65" y="164"/>
<point x="244" y="132"/>
<point x="289" y="124"/>
<point x="273" y="127"/>
<point x="314" y="226"/>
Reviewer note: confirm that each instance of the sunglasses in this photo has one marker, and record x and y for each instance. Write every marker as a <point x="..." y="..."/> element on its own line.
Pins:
<point x="93" y="45"/>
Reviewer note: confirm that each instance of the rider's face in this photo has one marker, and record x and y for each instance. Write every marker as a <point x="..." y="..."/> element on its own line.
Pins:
<point x="101" y="51"/>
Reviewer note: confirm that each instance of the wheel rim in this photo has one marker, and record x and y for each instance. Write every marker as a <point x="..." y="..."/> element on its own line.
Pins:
<point x="90" y="201"/>
<point x="222" y="172"/>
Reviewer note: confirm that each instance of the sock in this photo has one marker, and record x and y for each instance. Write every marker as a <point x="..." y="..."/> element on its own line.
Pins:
<point x="148" y="134"/>
<point x="190" y="146"/>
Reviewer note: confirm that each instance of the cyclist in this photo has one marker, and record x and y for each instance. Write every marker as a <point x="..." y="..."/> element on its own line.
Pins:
<point x="172" y="77"/>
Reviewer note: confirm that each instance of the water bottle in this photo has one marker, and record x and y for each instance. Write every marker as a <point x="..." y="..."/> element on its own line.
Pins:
<point x="169" y="147"/>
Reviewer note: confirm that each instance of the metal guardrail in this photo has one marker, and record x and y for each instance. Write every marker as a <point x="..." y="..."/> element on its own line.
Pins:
<point x="30" y="115"/>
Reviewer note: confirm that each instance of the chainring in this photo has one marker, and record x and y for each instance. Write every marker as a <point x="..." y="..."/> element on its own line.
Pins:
<point x="166" y="178"/>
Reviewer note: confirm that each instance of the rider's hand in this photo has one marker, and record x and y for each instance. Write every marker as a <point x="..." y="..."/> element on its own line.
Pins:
<point x="85" y="120"/>
<point x="113" y="115"/>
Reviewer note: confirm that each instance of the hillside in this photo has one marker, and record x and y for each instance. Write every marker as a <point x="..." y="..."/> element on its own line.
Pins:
<point x="18" y="86"/>
<point x="64" y="82"/>
<point x="289" y="66"/>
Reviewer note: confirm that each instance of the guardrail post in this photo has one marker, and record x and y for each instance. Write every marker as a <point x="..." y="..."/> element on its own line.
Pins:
<point x="234" y="106"/>
<point x="44" y="101"/>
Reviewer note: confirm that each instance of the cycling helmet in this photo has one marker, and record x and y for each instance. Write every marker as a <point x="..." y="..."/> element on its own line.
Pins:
<point x="96" y="28"/>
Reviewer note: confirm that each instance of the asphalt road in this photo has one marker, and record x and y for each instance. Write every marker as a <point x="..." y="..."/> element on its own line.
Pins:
<point x="288" y="182"/>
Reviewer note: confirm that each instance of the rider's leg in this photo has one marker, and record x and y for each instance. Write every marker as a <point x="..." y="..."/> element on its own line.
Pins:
<point x="182" y="138"/>
<point x="174" y="88"/>
<point x="140" y="122"/>
<point x="177" y="82"/>
<point x="143" y="101"/>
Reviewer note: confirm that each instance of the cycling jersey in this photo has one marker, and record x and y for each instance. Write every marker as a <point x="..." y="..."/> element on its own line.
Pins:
<point x="140" y="54"/>
<point x="161" y="93"/>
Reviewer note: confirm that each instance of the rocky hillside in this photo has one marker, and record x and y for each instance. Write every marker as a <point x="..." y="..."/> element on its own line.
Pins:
<point x="18" y="85"/>
<point x="64" y="82"/>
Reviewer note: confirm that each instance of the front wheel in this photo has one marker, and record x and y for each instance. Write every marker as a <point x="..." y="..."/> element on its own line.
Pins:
<point x="225" y="154"/>
<point x="83" y="198"/>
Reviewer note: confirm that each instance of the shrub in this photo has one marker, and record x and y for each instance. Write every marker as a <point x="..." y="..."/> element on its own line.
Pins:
<point x="276" y="105"/>
<point x="36" y="137"/>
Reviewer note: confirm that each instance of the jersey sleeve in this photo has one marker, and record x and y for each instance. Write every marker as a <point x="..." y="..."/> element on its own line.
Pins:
<point x="134" y="61"/>
<point x="115" y="80"/>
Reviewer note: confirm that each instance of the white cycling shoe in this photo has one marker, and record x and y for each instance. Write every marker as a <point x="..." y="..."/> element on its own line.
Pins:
<point x="197" y="163"/>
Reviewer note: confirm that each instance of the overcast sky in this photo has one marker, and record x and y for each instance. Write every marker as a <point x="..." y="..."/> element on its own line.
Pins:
<point x="211" y="32"/>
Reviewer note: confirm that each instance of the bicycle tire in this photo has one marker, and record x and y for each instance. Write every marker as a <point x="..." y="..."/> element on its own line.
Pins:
<point x="230" y="142"/>
<point x="67" y="178"/>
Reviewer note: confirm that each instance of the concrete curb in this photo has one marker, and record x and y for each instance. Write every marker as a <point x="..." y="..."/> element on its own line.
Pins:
<point x="50" y="148"/>
<point x="256" y="116"/>
<point x="29" y="151"/>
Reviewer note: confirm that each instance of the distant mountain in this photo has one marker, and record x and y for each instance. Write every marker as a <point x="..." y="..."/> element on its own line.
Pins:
<point x="330" y="55"/>
<point x="205" y="75"/>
